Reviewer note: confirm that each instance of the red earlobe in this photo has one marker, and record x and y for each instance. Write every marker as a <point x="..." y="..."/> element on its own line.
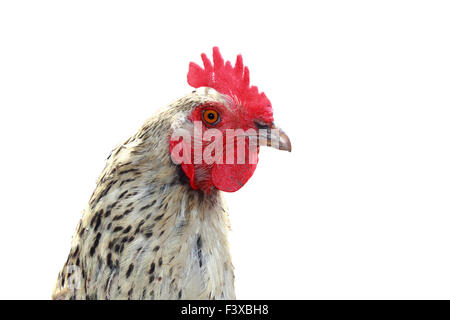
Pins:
<point x="188" y="168"/>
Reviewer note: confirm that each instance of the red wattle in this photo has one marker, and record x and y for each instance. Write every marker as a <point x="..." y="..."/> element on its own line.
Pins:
<point x="231" y="177"/>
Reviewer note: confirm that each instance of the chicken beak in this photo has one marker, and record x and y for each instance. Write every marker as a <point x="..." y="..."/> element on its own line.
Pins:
<point x="274" y="137"/>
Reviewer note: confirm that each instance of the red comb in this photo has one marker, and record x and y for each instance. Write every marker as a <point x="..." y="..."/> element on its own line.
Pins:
<point x="232" y="81"/>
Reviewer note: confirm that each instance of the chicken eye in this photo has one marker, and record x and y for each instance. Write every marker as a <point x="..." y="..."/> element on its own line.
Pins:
<point x="210" y="116"/>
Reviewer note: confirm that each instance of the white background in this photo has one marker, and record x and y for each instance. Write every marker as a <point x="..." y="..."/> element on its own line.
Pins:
<point x="359" y="209"/>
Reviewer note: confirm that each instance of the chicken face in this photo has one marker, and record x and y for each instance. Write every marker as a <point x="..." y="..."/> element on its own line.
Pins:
<point x="219" y="145"/>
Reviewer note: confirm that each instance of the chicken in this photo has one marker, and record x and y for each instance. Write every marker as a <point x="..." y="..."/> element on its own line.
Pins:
<point x="156" y="225"/>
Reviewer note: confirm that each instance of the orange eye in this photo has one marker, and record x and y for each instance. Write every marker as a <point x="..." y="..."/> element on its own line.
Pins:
<point x="210" y="116"/>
